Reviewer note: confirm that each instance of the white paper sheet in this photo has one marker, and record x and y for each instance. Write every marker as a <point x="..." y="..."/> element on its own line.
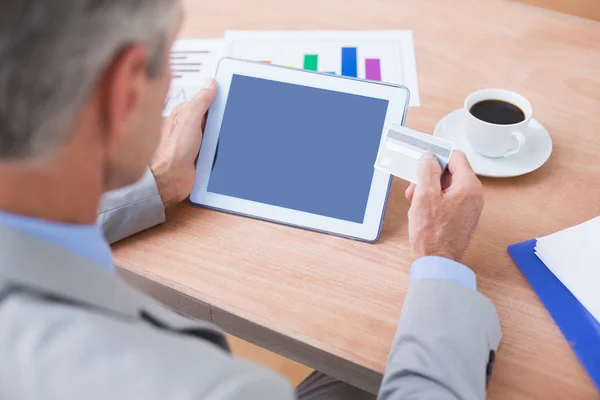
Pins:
<point x="178" y="94"/>
<point x="573" y="256"/>
<point x="191" y="62"/>
<point x="394" y="51"/>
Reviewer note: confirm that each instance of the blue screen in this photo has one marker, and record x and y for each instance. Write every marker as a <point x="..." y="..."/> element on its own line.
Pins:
<point x="298" y="147"/>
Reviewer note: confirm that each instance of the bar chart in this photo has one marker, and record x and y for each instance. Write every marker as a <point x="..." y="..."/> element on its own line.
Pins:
<point x="386" y="56"/>
<point x="348" y="66"/>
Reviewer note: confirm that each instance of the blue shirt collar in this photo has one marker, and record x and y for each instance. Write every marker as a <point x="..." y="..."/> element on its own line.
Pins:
<point x="86" y="241"/>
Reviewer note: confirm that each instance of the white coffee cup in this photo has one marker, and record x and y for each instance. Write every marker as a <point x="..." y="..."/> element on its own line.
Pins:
<point x="496" y="140"/>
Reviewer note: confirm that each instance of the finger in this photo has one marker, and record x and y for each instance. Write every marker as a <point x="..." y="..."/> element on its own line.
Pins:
<point x="459" y="164"/>
<point x="192" y="117"/>
<point x="410" y="192"/>
<point x="204" y="99"/>
<point x="462" y="175"/>
<point x="429" y="175"/>
<point x="193" y="113"/>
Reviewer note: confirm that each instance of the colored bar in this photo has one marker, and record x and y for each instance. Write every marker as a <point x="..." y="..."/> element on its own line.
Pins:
<point x="349" y="62"/>
<point x="373" y="69"/>
<point x="311" y="62"/>
<point x="265" y="61"/>
<point x="291" y="65"/>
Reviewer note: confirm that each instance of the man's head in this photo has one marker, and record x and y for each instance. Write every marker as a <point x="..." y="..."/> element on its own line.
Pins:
<point x="87" y="76"/>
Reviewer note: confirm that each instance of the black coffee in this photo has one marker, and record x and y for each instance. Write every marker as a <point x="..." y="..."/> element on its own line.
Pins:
<point x="497" y="112"/>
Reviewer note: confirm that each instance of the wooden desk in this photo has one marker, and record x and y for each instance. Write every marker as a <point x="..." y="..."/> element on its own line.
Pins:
<point x="333" y="303"/>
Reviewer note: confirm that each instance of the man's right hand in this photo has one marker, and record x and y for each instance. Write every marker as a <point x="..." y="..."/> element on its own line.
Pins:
<point x="444" y="210"/>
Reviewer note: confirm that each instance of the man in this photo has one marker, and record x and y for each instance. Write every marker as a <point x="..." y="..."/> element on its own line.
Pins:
<point x="82" y="85"/>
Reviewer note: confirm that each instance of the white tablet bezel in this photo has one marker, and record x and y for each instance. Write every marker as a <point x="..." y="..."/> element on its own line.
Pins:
<point x="369" y="230"/>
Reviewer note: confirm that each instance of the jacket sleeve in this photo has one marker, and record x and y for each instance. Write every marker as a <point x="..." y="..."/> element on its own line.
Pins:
<point x="132" y="209"/>
<point x="444" y="346"/>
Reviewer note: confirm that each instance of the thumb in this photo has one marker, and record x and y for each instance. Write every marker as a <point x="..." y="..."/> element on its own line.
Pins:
<point x="429" y="174"/>
<point x="204" y="99"/>
<point x="187" y="125"/>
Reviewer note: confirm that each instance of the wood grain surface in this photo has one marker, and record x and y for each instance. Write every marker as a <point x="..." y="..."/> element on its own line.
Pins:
<point x="589" y="9"/>
<point x="343" y="298"/>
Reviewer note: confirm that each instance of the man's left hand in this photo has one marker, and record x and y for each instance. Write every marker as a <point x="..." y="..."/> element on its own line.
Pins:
<point x="173" y="163"/>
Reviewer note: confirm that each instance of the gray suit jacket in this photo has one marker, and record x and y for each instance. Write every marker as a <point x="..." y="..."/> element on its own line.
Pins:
<point x="70" y="330"/>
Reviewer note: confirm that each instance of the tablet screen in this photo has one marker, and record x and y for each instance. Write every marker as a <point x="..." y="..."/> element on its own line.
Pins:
<point x="298" y="147"/>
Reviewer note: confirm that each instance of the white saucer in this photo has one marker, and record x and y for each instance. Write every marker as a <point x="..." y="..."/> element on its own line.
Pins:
<point x="536" y="152"/>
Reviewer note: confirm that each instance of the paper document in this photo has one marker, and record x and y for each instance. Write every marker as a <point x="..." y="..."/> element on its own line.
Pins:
<point x="178" y="94"/>
<point x="194" y="60"/>
<point x="387" y="56"/>
<point x="191" y="62"/>
<point x="573" y="256"/>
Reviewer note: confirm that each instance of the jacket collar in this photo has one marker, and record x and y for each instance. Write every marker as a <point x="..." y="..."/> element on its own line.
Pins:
<point x="35" y="265"/>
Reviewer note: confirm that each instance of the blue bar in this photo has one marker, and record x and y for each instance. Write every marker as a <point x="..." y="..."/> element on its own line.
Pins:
<point x="349" y="62"/>
<point x="330" y="72"/>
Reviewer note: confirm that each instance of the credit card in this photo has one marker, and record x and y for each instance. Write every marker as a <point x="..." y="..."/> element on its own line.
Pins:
<point x="401" y="149"/>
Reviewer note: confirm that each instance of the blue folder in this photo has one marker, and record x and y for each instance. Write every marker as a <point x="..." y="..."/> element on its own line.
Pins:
<point x="577" y="325"/>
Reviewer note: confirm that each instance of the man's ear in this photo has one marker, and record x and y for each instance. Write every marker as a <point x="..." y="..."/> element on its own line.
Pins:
<point x="123" y="86"/>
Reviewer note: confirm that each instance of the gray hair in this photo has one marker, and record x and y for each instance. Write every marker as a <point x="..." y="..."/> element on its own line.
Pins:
<point x="53" y="51"/>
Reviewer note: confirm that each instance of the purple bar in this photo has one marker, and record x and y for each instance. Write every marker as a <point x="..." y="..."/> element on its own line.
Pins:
<point x="373" y="69"/>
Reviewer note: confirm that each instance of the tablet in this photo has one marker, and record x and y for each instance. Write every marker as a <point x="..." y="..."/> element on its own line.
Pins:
<point x="298" y="148"/>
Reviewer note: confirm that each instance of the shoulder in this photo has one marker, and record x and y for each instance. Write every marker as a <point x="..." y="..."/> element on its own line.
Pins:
<point x="60" y="351"/>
